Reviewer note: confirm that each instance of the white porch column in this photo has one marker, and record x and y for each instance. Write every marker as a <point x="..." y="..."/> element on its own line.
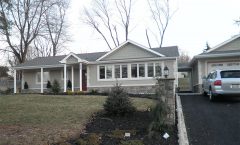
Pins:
<point x="41" y="80"/>
<point x="65" y="77"/>
<point x="72" y="78"/>
<point x="15" y="81"/>
<point x="23" y="81"/>
<point x="80" y="76"/>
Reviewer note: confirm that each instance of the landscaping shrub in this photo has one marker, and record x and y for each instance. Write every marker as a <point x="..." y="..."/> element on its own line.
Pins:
<point x="94" y="92"/>
<point x="90" y="139"/>
<point x="25" y="85"/>
<point x="159" y="114"/>
<point x="56" y="87"/>
<point x="69" y="92"/>
<point x="80" y="93"/>
<point x="49" y="85"/>
<point x="119" y="134"/>
<point x="118" y="102"/>
<point x="69" y="84"/>
<point x="160" y="111"/>
<point x="132" y="142"/>
<point x="8" y="91"/>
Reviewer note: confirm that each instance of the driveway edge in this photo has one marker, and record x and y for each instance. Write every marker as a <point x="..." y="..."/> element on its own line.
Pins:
<point x="182" y="132"/>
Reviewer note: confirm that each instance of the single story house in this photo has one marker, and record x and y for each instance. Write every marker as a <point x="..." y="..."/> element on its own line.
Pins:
<point x="224" y="56"/>
<point x="132" y="65"/>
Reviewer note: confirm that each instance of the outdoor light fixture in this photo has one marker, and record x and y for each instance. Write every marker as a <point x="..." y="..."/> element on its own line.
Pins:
<point x="166" y="71"/>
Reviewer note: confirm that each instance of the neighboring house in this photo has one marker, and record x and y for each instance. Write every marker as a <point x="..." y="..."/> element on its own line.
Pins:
<point x="224" y="56"/>
<point x="132" y="65"/>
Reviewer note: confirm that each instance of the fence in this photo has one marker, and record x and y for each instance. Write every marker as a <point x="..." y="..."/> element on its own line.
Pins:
<point x="8" y="84"/>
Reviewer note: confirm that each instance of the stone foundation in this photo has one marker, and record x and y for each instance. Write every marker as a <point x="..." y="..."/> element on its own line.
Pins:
<point x="128" y="89"/>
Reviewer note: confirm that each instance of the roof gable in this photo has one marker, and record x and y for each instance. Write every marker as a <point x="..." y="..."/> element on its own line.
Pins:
<point x="71" y="57"/>
<point x="128" y="50"/>
<point x="228" y="45"/>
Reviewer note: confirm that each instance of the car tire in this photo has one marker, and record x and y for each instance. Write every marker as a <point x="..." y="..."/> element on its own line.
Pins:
<point x="211" y="95"/>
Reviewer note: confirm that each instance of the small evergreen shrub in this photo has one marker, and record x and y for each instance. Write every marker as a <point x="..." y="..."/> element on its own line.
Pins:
<point x="159" y="114"/>
<point x="118" y="103"/>
<point x="69" y="92"/>
<point x="25" y="85"/>
<point x="49" y="85"/>
<point x="94" y="92"/>
<point x="56" y="87"/>
<point x="69" y="84"/>
<point x="160" y="111"/>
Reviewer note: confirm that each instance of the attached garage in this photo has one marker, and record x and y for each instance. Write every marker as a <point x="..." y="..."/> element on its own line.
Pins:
<point x="224" y="56"/>
<point x="223" y="65"/>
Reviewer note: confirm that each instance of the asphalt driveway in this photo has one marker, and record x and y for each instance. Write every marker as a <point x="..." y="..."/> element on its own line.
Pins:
<point x="212" y="123"/>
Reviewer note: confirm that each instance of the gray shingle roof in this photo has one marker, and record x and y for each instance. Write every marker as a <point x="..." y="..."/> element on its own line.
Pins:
<point x="171" y="51"/>
<point x="220" y="52"/>
<point x="54" y="60"/>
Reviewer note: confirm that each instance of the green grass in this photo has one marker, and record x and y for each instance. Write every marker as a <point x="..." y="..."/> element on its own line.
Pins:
<point x="42" y="119"/>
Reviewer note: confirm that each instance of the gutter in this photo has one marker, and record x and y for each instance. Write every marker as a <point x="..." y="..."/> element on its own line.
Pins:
<point x="133" y="60"/>
<point x="213" y="56"/>
<point x="98" y="62"/>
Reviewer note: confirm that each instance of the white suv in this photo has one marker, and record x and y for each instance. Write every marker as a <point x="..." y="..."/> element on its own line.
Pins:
<point x="222" y="82"/>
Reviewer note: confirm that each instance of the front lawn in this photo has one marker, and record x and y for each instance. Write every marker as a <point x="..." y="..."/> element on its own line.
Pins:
<point x="42" y="119"/>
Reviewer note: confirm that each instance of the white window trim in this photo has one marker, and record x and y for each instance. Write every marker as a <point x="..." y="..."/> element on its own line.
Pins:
<point x="36" y="77"/>
<point x="129" y="71"/>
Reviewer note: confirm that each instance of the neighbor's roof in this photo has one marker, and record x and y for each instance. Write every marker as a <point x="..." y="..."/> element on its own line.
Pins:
<point x="171" y="51"/>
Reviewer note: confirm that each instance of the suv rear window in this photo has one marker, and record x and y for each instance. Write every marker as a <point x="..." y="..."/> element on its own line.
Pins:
<point x="230" y="74"/>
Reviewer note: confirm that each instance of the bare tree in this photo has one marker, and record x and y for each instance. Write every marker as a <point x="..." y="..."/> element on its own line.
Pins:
<point x="103" y="19"/>
<point x="160" y="10"/>
<point x="21" y="21"/>
<point x="184" y="58"/>
<point x="32" y="28"/>
<point x="56" y="25"/>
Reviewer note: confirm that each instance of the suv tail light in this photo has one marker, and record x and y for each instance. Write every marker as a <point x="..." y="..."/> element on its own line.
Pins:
<point x="217" y="83"/>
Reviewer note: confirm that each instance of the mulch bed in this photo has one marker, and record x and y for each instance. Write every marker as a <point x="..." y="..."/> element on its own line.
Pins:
<point x="109" y="129"/>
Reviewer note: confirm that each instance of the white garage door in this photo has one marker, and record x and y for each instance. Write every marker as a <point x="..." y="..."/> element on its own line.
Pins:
<point x="223" y="65"/>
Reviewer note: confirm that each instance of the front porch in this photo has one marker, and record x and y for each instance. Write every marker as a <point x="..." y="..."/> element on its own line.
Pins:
<point x="37" y="78"/>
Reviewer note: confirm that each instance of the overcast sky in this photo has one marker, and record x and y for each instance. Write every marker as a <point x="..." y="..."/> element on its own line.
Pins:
<point x="195" y="23"/>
